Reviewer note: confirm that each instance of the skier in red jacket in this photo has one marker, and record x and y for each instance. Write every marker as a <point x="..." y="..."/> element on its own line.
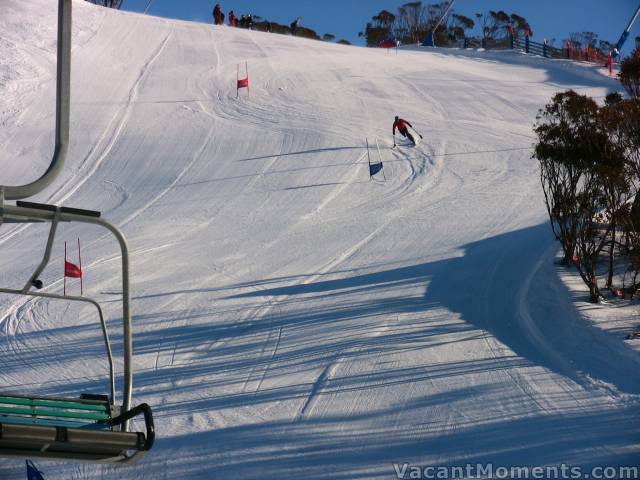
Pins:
<point x="401" y="125"/>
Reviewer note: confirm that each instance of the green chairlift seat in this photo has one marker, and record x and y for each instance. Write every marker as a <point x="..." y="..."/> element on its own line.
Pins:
<point x="93" y="428"/>
<point x="82" y="429"/>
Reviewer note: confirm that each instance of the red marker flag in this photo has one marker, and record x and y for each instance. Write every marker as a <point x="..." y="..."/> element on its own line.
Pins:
<point x="71" y="270"/>
<point x="388" y="44"/>
<point x="242" y="82"/>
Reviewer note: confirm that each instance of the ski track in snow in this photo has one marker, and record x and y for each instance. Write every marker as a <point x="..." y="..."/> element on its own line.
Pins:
<point x="93" y="160"/>
<point x="111" y="134"/>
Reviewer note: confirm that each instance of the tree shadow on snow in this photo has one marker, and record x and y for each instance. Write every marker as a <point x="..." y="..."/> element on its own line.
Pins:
<point x="488" y="288"/>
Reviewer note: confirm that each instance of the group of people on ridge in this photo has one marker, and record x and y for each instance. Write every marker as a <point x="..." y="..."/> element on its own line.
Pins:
<point x="245" y="21"/>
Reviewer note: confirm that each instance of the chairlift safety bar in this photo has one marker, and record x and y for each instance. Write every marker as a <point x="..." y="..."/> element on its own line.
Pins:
<point x="10" y="213"/>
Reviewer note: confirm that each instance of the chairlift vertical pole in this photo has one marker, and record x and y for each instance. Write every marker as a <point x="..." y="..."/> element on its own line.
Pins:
<point x="63" y="96"/>
<point x="126" y="319"/>
<point x="625" y="34"/>
<point x="127" y="333"/>
<point x="63" y="80"/>
<point x="430" y="40"/>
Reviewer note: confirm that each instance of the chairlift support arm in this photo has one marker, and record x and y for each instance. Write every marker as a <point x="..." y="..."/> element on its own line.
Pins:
<point x="63" y="95"/>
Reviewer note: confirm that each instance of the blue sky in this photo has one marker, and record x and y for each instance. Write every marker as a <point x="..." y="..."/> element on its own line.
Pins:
<point x="345" y="18"/>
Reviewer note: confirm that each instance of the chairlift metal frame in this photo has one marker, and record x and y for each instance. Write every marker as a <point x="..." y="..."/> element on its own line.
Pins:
<point x="107" y="439"/>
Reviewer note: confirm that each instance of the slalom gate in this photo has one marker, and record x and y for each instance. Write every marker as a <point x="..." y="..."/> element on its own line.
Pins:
<point x="376" y="167"/>
<point x="242" y="82"/>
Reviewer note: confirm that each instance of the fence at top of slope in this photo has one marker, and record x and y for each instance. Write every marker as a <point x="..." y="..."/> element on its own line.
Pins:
<point x="526" y="45"/>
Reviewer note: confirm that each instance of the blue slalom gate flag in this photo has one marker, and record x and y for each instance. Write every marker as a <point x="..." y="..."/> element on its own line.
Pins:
<point x="375" y="168"/>
<point x="32" y="472"/>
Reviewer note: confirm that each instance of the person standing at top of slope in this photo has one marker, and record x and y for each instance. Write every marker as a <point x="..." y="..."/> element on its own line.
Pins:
<point x="217" y="14"/>
<point x="233" y="21"/>
<point x="294" y="25"/>
<point x="401" y="125"/>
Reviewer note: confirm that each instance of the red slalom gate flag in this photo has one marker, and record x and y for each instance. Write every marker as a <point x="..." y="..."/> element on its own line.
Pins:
<point x="71" y="270"/>
<point x="388" y="44"/>
<point x="242" y="82"/>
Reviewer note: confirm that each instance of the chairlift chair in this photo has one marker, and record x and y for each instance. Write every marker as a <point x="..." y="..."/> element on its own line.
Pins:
<point x="91" y="428"/>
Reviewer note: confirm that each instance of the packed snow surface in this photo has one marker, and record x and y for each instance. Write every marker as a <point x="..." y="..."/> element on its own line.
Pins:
<point x="294" y="319"/>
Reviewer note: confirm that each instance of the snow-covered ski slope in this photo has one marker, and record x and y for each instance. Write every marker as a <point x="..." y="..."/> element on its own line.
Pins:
<point x="292" y="318"/>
